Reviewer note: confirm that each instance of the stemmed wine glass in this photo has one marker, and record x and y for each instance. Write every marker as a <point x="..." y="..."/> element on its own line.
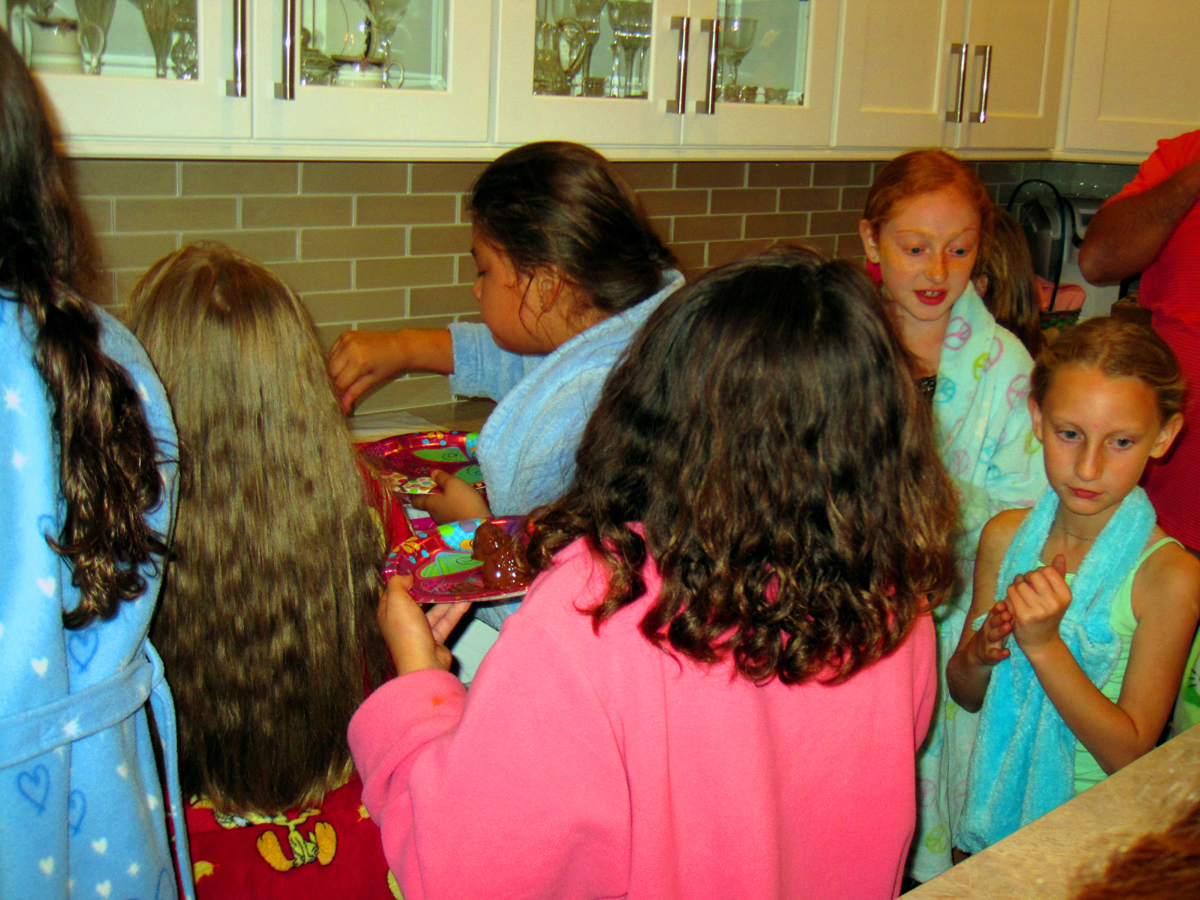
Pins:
<point x="579" y="24"/>
<point x="737" y="38"/>
<point x="630" y="20"/>
<point x="385" y="16"/>
<point x="95" y="18"/>
<point x="159" y="17"/>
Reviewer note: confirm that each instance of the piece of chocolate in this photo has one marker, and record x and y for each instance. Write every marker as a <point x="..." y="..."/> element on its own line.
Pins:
<point x="497" y="550"/>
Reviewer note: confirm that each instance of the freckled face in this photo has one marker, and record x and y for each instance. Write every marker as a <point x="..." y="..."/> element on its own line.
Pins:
<point x="1098" y="433"/>
<point x="507" y="299"/>
<point x="926" y="250"/>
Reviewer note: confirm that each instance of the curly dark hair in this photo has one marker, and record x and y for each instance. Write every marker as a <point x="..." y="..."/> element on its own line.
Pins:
<point x="107" y="463"/>
<point x="764" y="430"/>
<point x="559" y="205"/>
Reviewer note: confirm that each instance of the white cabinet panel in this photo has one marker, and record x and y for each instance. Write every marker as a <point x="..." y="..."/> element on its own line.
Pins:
<point x="1134" y="75"/>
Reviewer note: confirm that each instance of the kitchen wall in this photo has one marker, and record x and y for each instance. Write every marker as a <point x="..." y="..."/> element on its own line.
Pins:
<point x="385" y="245"/>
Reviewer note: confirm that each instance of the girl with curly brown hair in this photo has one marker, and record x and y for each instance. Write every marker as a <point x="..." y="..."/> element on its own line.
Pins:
<point x="718" y="682"/>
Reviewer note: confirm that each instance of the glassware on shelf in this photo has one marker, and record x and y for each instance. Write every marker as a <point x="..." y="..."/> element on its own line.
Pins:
<point x="548" y="74"/>
<point x="385" y="17"/>
<point x="737" y="39"/>
<point x="159" y="17"/>
<point x="578" y="24"/>
<point x="183" y="46"/>
<point x="630" y="21"/>
<point x="95" y="18"/>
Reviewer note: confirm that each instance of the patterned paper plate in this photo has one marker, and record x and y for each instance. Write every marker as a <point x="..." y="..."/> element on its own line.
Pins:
<point x="441" y="565"/>
<point x="409" y="459"/>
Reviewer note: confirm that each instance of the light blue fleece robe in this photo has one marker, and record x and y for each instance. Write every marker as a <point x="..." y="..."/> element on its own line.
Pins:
<point x="527" y="446"/>
<point x="986" y="439"/>
<point x="82" y="811"/>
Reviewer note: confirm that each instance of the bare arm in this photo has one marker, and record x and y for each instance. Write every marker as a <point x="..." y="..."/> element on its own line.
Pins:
<point x="1127" y="235"/>
<point x="969" y="671"/>
<point x="359" y="360"/>
<point x="1166" y="592"/>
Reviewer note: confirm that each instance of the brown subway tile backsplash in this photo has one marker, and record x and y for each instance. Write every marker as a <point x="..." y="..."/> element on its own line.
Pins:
<point x="125" y="178"/>
<point x="402" y="272"/>
<point x="708" y="228"/>
<point x="331" y="275"/>
<point x="710" y="174"/>
<point x="354" y="177"/>
<point x="779" y="174"/>
<point x="174" y="213"/>
<point x="391" y="209"/>
<point x="264" y="245"/>
<point x="675" y="203"/>
<point x="745" y="200"/>
<point x="445" y="178"/>
<point x="384" y="245"/>
<point x="428" y="239"/>
<point x="457" y="298"/>
<point x="131" y="251"/>
<point x="777" y="225"/>
<point x="841" y="173"/>
<point x="296" y="212"/>
<point x="207" y="179"/>
<point x="351" y="243"/>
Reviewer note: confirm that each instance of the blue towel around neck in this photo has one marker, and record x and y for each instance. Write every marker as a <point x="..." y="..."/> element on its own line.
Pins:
<point x="1022" y="764"/>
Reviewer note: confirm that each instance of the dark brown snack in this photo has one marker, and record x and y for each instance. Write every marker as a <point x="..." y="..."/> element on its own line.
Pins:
<point x="501" y="570"/>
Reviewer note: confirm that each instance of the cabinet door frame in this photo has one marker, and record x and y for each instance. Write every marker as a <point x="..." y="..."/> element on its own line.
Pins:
<point x="125" y="116"/>
<point x="373" y="121"/>
<point x="1015" y="130"/>
<point x="860" y="122"/>
<point x="602" y="122"/>
<point x="768" y="125"/>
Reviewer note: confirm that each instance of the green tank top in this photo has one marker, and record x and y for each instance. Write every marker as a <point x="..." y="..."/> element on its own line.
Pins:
<point x="1123" y="624"/>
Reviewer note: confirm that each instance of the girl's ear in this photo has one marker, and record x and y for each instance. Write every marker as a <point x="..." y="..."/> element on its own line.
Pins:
<point x="548" y="285"/>
<point x="1166" y="436"/>
<point x="870" y="245"/>
<point x="1035" y="413"/>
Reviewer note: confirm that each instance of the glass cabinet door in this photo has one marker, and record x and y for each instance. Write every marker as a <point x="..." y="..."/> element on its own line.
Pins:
<point x="373" y="70"/>
<point x="770" y="80"/>
<point x="666" y="72"/>
<point x="116" y="69"/>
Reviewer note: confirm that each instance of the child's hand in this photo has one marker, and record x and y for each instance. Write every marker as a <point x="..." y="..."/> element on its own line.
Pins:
<point x="415" y="638"/>
<point x="359" y="360"/>
<point x="993" y="634"/>
<point x="1039" y="600"/>
<point x="457" y="500"/>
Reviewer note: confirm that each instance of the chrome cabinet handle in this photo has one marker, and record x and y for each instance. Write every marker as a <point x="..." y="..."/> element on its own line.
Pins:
<point x="986" y="51"/>
<point x="236" y="86"/>
<point x="286" y="89"/>
<point x="708" y="106"/>
<point x="956" y="114"/>
<point x="684" y="24"/>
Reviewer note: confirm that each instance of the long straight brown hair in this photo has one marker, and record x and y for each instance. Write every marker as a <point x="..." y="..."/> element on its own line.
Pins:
<point x="267" y="613"/>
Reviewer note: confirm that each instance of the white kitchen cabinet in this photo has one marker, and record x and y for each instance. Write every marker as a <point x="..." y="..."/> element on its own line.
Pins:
<point x="1134" y="76"/>
<point x="440" y="45"/>
<point x="264" y="108"/>
<point x="913" y="74"/>
<point x="780" y="98"/>
<point x="125" y="110"/>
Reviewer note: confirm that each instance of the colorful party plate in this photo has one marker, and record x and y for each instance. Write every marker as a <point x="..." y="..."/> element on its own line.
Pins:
<point x="441" y="565"/>
<point x="409" y="459"/>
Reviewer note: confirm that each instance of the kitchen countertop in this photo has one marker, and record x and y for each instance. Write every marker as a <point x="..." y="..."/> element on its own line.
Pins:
<point x="1048" y="857"/>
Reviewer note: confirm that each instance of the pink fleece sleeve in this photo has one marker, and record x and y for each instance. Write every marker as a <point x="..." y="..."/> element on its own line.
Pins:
<point x="519" y="791"/>
<point x="924" y="640"/>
